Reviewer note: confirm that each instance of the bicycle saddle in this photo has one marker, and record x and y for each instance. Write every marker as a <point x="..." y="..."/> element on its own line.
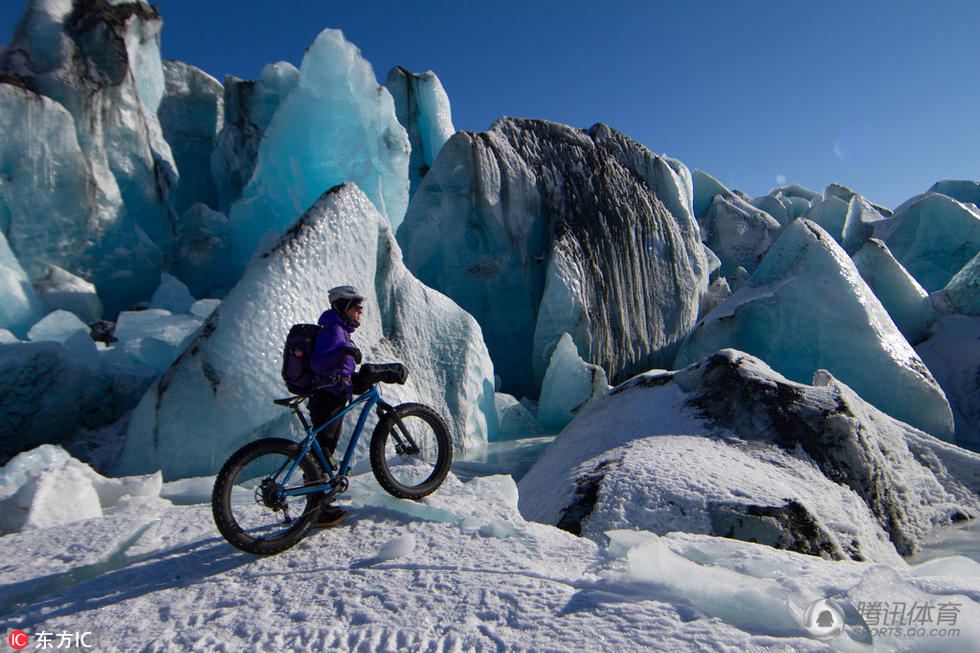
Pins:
<point x="290" y="402"/>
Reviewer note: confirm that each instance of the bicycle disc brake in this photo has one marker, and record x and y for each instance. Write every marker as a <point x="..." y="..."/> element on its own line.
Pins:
<point x="270" y="495"/>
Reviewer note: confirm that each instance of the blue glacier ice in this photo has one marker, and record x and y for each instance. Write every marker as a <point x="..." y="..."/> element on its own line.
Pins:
<point x="961" y="190"/>
<point x="218" y="394"/>
<point x="718" y="291"/>
<point x="859" y="223"/>
<point x="336" y="126"/>
<point x="704" y="189"/>
<point x="47" y="392"/>
<point x="43" y="171"/>
<point x="105" y="158"/>
<point x="202" y="308"/>
<point x="796" y="198"/>
<point x="737" y="232"/>
<point x="569" y="386"/>
<point x="202" y="252"/>
<point x="533" y="243"/>
<point x="191" y="114"/>
<point x="780" y="208"/>
<point x="953" y="356"/>
<point x="807" y="308"/>
<point x="963" y="290"/>
<point x="933" y="236"/>
<point x="798" y="191"/>
<point x="60" y="289"/>
<point x="248" y="109"/>
<point x="906" y="301"/>
<point x="514" y="419"/>
<point x="155" y="336"/>
<point x="172" y="295"/>
<point x="830" y="212"/>
<point x="422" y="107"/>
<point x="714" y="263"/>
<point x="19" y="305"/>
<point x="57" y="326"/>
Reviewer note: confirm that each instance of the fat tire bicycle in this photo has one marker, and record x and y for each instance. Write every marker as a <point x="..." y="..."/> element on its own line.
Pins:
<point x="268" y="494"/>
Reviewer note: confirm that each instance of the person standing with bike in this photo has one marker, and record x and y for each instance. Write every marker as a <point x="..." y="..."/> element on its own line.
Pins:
<point x="334" y="360"/>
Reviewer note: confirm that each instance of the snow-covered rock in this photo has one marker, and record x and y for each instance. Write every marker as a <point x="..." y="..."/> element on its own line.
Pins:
<point x="953" y="356"/>
<point x="60" y="289"/>
<point x="729" y="447"/>
<point x="933" y="236"/>
<point x="570" y="385"/>
<point x="218" y="394"/>
<point x="907" y="302"/>
<point x="545" y="229"/>
<point x="422" y="107"/>
<point x="806" y="308"/>
<point x="337" y="125"/>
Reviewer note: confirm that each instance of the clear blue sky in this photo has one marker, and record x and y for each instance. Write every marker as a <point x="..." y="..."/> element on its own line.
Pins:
<point x="883" y="97"/>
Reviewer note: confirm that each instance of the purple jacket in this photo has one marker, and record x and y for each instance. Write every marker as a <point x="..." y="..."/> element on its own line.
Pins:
<point x="331" y="363"/>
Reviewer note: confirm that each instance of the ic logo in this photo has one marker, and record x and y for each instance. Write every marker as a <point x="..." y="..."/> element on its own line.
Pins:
<point x="18" y="639"/>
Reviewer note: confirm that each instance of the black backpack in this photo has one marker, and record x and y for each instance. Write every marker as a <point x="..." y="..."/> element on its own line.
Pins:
<point x="296" y="355"/>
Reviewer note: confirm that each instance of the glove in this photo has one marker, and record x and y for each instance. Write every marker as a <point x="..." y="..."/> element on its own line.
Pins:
<point x="355" y="353"/>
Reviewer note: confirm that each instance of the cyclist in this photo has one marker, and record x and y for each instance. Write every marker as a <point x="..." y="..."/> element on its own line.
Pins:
<point x="334" y="360"/>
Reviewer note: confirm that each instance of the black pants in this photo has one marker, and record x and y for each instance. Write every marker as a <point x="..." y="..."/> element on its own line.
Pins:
<point x="322" y="406"/>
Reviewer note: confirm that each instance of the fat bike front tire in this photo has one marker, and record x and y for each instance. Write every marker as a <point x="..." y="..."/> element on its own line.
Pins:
<point x="414" y="464"/>
<point x="247" y="504"/>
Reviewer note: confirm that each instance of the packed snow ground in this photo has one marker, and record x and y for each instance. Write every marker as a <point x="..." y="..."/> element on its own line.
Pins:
<point x="461" y="570"/>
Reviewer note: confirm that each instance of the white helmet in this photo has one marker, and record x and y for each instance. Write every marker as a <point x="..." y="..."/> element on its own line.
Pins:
<point x="343" y="296"/>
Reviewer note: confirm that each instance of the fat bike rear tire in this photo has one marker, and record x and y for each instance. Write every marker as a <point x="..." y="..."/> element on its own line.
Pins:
<point x="245" y="503"/>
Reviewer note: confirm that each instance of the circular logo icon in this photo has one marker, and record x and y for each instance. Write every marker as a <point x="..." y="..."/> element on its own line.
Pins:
<point x="18" y="639"/>
<point x="824" y="619"/>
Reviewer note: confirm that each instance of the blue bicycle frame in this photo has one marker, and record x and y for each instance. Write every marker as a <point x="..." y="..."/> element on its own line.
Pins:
<point x="336" y="475"/>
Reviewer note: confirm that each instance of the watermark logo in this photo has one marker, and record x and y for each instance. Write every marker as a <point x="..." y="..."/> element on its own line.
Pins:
<point x="915" y="619"/>
<point x="18" y="639"/>
<point x="824" y="619"/>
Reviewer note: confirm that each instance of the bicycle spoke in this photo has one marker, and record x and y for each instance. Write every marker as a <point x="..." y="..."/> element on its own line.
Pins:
<point x="413" y="461"/>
